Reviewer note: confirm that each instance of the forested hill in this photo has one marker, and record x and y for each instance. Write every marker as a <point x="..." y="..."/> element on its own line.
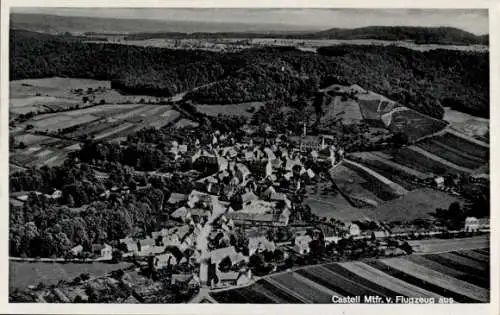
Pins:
<point x="424" y="81"/>
<point x="419" y="35"/>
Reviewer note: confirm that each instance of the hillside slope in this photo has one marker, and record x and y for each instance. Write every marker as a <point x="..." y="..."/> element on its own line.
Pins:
<point x="423" y="81"/>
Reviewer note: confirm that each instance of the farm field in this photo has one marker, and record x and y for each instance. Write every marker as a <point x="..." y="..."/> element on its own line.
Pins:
<point x="64" y="88"/>
<point x="467" y="144"/>
<point x="40" y="104"/>
<point x="23" y="274"/>
<point x="423" y="161"/>
<point x="467" y="124"/>
<point x="103" y="122"/>
<point x="443" y="245"/>
<point x="31" y="139"/>
<point x="385" y="166"/>
<point x="41" y="150"/>
<point x="382" y="186"/>
<point x="358" y="181"/>
<point x="398" y="118"/>
<point x="408" y="276"/>
<point x="453" y="155"/>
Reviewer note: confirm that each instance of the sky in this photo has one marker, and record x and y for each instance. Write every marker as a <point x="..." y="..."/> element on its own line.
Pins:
<point x="471" y="20"/>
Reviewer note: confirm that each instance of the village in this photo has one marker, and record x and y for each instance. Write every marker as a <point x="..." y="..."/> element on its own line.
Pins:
<point x="246" y="219"/>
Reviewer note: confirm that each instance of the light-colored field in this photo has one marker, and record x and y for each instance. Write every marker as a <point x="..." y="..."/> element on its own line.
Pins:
<point x="103" y="110"/>
<point x="139" y="111"/>
<point x="454" y="116"/>
<point x="236" y="44"/>
<point x="185" y="123"/>
<point x="443" y="245"/>
<point x="72" y="147"/>
<point x="43" y="153"/>
<point x="49" y="121"/>
<point x="114" y="130"/>
<point x="438" y="278"/>
<point x="387" y="281"/>
<point x="39" y="104"/>
<point x="408" y="276"/>
<point x="62" y="88"/>
<point x="465" y="123"/>
<point x="30" y="139"/>
<point x="62" y="121"/>
<point x="170" y="113"/>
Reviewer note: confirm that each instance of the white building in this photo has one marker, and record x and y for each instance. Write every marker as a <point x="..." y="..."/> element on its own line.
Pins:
<point x="354" y="229"/>
<point x="471" y="224"/>
<point x="302" y="244"/>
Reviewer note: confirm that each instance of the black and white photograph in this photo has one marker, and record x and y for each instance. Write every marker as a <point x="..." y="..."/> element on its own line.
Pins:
<point x="248" y="155"/>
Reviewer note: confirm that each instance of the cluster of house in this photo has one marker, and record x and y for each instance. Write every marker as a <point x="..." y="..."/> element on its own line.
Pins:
<point x="100" y="252"/>
<point x="23" y="196"/>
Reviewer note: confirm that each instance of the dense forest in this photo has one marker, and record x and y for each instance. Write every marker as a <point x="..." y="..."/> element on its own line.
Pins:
<point x="424" y="81"/>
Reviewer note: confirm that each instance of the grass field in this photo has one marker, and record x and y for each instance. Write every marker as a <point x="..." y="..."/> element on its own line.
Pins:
<point x="336" y="207"/>
<point x="418" y="203"/>
<point x="467" y="124"/>
<point x="40" y="104"/>
<point x="414" y="124"/>
<point x="62" y="88"/>
<point x="408" y="276"/>
<point x="346" y="110"/>
<point x="23" y="274"/>
<point x="241" y="109"/>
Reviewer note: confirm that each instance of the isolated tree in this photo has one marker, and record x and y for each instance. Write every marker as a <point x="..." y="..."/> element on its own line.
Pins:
<point x="225" y="264"/>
